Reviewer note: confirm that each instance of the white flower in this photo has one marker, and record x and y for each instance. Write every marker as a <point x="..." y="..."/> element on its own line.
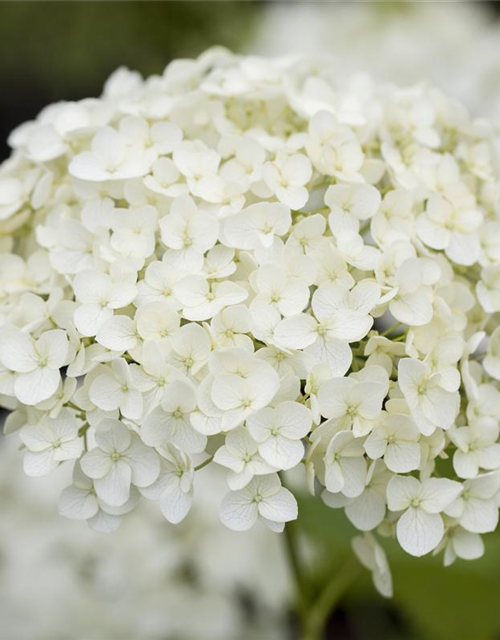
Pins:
<point x="174" y="487"/>
<point x="443" y="225"/>
<point x="373" y="557"/>
<point x="396" y="440"/>
<point x="231" y="326"/>
<point x="79" y="501"/>
<point x="98" y="296"/>
<point x="462" y="544"/>
<point x="257" y="225"/>
<point x="114" y="389"/>
<point x="333" y="148"/>
<point x="353" y="404"/>
<point x="286" y="177"/>
<point x="134" y="232"/>
<point x="414" y="297"/>
<point x="431" y="406"/>
<point x="170" y="422"/>
<point x="349" y="204"/>
<point x="189" y="233"/>
<point x="477" y="448"/>
<point x="367" y="510"/>
<point x="345" y="465"/>
<point x="277" y="289"/>
<point x="119" y="460"/>
<point x="238" y="397"/>
<point x="199" y="165"/>
<point x="240" y="454"/>
<point x="50" y="442"/>
<point x="110" y="158"/>
<point x="189" y="349"/>
<point x="340" y="316"/>
<point x="36" y="363"/>
<point x="264" y="498"/>
<point x="279" y="433"/>
<point x="203" y="300"/>
<point x="420" y="528"/>
<point x="476" y="509"/>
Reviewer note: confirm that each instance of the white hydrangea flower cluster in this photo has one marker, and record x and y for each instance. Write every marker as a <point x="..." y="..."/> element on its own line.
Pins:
<point x="201" y="268"/>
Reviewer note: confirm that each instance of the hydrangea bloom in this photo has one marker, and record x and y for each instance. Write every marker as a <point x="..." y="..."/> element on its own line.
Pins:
<point x="209" y="268"/>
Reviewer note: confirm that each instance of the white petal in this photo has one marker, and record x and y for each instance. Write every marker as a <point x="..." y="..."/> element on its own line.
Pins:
<point x="144" y="463"/>
<point x="281" y="507"/>
<point x="281" y="452"/>
<point x="39" y="463"/>
<point x="175" y="504"/>
<point x="78" y="504"/>
<point x="114" y="487"/>
<point x="419" y="532"/>
<point x="296" y="332"/>
<point x="401" y="491"/>
<point x="31" y="388"/>
<point x="237" y="512"/>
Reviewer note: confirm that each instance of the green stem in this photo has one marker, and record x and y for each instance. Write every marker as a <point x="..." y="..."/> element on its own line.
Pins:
<point x="329" y="596"/>
<point x="391" y="329"/>
<point x="292" y="550"/>
<point x="314" y="609"/>
<point x="204" y="463"/>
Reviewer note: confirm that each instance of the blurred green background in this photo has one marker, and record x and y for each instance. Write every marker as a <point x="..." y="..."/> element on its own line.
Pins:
<point x="66" y="50"/>
<point x="53" y="51"/>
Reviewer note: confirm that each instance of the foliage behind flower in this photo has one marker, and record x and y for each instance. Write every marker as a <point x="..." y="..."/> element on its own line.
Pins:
<point x="241" y="263"/>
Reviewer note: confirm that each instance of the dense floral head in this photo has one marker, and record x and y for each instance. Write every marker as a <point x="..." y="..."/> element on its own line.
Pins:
<point x="241" y="263"/>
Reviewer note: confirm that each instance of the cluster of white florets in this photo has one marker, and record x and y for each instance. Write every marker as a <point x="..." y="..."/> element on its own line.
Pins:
<point x="202" y="267"/>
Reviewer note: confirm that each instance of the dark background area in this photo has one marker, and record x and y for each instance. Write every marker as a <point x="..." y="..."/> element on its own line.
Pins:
<point x="51" y="51"/>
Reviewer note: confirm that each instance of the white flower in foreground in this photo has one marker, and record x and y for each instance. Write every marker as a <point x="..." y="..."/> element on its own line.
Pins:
<point x="340" y="316"/>
<point x="350" y="203"/>
<point x="353" y="404"/>
<point x="279" y="433"/>
<point x="98" y="296"/>
<point x="373" y="557"/>
<point x="431" y="406"/>
<point x="477" y="448"/>
<point x="36" y="363"/>
<point x="286" y="177"/>
<point x="240" y="454"/>
<point x="264" y="498"/>
<point x="257" y="225"/>
<point x="174" y="487"/>
<point x="119" y="460"/>
<point x="110" y="159"/>
<point x="476" y="509"/>
<point x="188" y="232"/>
<point x="462" y="544"/>
<point x="170" y="422"/>
<point x="345" y="465"/>
<point x="396" y="440"/>
<point x="79" y="501"/>
<point x="420" y="528"/>
<point x="50" y="442"/>
<point x="115" y="389"/>
<point x="238" y="397"/>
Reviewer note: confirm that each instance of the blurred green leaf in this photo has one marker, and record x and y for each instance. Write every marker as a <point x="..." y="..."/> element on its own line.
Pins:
<point x="437" y="602"/>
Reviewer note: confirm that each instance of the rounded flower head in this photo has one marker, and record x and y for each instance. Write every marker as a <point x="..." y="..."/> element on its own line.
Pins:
<point x="253" y="264"/>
